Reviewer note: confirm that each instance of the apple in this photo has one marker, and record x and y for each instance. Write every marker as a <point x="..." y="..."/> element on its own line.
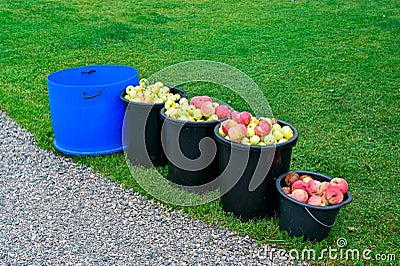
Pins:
<point x="255" y="140"/>
<point x="148" y="100"/>
<point x="324" y="200"/>
<point x="299" y="184"/>
<point x="237" y="133"/>
<point x="291" y="178"/>
<point x="252" y="125"/>
<point x="268" y="134"/>
<point x="263" y="128"/>
<point x="197" y="114"/>
<point x="206" y="98"/>
<point x="316" y="200"/>
<point x="333" y="194"/>
<point x="269" y="139"/>
<point x="245" y="117"/>
<point x="275" y="125"/>
<point x="183" y="101"/>
<point x="278" y="134"/>
<point x="150" y="94"/>
<point x="282" y="140"/>
<point x="299" y="195"/>
<point x="212" y="117"/>
<point x="227" y="124"/>
<point x="286" y="190"/>
<point x="207" y="109"/>
<point x="235" y="115"/>
<point x="324" y="186"/>
<point x="314" y="187"/>
<point x="341" y="183"/>
<point x="222" y="111"/>
<point x="221" y="132"/>
<point x="196" y="101"/>
<point x="246" y="141"/>
<point x="288" y="135"/>
<point x="250" y="132"/>
<point x="306" y="178"/>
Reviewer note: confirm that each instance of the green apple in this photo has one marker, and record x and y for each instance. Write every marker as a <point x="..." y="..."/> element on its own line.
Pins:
<point x="276" y="127"/>
<point x="278" y="134"/>
<point x="246" y="141"/>
<point x="250" y="132"/>
<point x="197" y="114"/>
<point x="254" y="140"/>
<point x="269" y="139"/>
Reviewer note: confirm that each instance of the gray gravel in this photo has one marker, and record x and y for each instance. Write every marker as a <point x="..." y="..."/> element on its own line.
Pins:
<point x="55" y="212"/>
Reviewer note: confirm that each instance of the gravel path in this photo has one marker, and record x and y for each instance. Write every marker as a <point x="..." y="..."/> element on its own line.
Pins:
<point x="55" y="212"/>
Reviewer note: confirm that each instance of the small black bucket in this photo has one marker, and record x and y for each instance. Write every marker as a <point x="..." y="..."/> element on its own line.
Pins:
<point x="142" y="132"/>
<point x="301" y="219"/>
<point x="248" y="173"/>
<point x="191" y="151"/>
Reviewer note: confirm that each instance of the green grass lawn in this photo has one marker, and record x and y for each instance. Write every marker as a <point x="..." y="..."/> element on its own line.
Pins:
<point x="330" y="68"/>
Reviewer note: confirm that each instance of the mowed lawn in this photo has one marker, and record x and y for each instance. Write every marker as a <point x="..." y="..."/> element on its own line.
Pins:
<point x="330" y="68"/>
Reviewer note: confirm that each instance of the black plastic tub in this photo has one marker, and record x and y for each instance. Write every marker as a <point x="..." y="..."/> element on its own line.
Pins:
<point x="302" y="219"/>
<point x="191" y="151"/>
<point x="142" y="132"/>
<point x="248" y="174"/>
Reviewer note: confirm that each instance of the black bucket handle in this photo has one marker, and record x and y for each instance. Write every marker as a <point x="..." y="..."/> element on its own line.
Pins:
<point x="89" y="72"/>
<point x="91" y="96"/>
<point x="318" y="221"/>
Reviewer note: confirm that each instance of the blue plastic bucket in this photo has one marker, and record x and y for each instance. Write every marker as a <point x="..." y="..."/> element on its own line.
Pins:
<point x="85" y="108"/>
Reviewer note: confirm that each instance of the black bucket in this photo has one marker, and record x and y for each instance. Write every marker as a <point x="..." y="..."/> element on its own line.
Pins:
<point x="191" y="151"/>
<point x="142" y="132"/>
<point x="248" y="173"/>
<point x="301" y="219"/>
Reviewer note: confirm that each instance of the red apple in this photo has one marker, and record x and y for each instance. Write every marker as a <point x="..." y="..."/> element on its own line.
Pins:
<point x="227" y="124"/>
<point x="245" y="117"/>
<point x="300" y="195"/>
<point x="324" y="186"/>
<point x="341" y="183"/>
<point x="333" y="194"/>
<point x="299" y="184"/>
<point x="207" y="109"/>
<point x="316" y="200"/>
<point x="291" y="178"/>
<point x="237" y="133"/>
<point x="263" y="128"/>
<point x="235" y="115"/>
<point x="324" y="200"/>
<point x="313" y="187"/>
<point x="222" y="111"/>
<point x="196" y="101"/>
<point x="206" y="99"/>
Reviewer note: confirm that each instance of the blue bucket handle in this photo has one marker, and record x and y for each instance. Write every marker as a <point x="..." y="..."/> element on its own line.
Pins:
<point x="318" y="221"/>
<point x="91" y="96"/>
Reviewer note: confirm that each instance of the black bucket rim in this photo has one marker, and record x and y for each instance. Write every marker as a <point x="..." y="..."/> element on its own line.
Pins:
<point x="182" y="92"/>
<point x="348" y="200"/>
<point x="290" y="143"/>
<point x="49" y="76"/>
<point x="188" y="123"/>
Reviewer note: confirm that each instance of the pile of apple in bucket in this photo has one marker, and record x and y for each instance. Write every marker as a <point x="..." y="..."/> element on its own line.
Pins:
<point x="308" y="190"/>
<point x="250" y="162"/>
